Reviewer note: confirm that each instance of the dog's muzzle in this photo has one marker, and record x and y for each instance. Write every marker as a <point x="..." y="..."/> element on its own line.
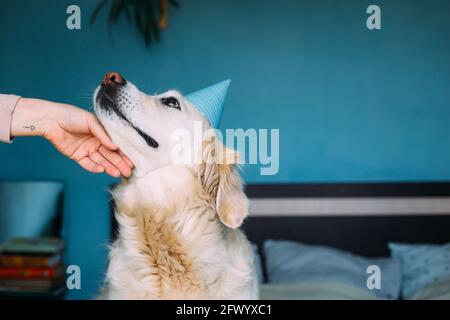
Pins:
<point x="107" y="97"/>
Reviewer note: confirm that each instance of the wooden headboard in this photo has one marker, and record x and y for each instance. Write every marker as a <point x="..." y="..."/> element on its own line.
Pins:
<point x="358" y="217"/>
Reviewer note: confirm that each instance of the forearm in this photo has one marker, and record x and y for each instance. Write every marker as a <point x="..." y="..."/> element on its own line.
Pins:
<point x="32" y="117"/>
<point x="74" y="132"/>
<point x="7" y="104"/>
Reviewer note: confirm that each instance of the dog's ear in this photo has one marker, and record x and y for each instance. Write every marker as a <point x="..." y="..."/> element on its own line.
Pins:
<point x="220" y="178"/>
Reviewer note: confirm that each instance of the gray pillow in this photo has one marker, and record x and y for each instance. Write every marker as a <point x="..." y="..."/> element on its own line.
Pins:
<point x="423" y="264"/>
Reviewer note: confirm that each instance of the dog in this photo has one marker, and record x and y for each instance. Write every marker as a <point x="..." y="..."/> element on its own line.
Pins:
<point x="178" y="222"/>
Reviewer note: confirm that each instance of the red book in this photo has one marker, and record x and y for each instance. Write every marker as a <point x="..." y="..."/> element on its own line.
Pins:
<point x="31" y="273"/>
<point x="22" y="261"/>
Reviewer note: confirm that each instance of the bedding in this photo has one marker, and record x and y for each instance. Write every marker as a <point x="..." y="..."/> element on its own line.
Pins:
<point x="423" y="265"/>
<point x="319" y="267"/>
<point x="439" y="290"/>
<point x="313" y="291"/>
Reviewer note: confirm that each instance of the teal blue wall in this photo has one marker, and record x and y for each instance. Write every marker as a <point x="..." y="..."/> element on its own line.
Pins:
<point x="351" y="104"/>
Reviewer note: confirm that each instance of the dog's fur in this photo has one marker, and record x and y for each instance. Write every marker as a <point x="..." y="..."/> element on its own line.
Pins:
<point x="178" y="236"/>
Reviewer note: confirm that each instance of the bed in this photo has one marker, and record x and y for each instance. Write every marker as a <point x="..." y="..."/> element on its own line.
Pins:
<point x="357" y="218"/>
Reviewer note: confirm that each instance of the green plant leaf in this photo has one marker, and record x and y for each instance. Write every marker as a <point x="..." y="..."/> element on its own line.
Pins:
<point x="174" y="3"/>
<point x="143" y="12"/>
<point x="97" y="10"/>
<point x="115" y="12"/>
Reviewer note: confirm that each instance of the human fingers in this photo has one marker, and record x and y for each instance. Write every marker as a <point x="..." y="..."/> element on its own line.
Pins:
<point x="101" y="160"/>
<point x="90" y="165"/>
<point x="114" y="157"/>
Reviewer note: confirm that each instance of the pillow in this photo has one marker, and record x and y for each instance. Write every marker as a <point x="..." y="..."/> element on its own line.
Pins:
<point x="291" y="262"/>
<point x="258" y="263"/>
<point x="422" y="264"/>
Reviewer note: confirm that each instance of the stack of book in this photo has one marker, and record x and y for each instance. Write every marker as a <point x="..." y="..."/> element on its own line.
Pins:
<point x="32" y="267"/>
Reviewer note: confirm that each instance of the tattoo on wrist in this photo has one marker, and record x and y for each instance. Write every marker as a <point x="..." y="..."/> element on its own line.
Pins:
<point x="31" y="127"/>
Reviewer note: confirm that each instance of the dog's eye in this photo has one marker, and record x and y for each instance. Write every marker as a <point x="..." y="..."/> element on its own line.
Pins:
<point x="171" y="102"/>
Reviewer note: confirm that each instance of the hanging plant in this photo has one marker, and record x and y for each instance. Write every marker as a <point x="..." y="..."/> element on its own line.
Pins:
<point x="148" y="16"/>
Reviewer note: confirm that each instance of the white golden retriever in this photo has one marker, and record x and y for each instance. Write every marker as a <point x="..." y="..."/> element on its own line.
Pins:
<point x="178" y="236"/>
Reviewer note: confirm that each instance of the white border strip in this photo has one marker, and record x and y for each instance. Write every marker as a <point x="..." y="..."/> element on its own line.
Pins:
<point x="348" y="206"/>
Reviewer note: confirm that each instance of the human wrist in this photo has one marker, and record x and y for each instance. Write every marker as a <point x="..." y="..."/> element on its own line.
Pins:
<point x="32" y="117"/>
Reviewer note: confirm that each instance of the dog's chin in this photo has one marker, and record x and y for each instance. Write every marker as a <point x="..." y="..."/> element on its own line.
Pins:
<point x="114" y="127"/>
<point x="127" y="140"/>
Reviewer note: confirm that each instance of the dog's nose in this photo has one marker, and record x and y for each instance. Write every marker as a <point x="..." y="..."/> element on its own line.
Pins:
<point x="113" y="78"/>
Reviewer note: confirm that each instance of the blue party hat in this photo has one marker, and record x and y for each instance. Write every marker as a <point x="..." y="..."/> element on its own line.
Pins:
<point x="210" y="101"/>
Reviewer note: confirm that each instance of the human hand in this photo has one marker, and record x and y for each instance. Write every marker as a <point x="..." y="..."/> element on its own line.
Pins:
<point x="74" y="132"/>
